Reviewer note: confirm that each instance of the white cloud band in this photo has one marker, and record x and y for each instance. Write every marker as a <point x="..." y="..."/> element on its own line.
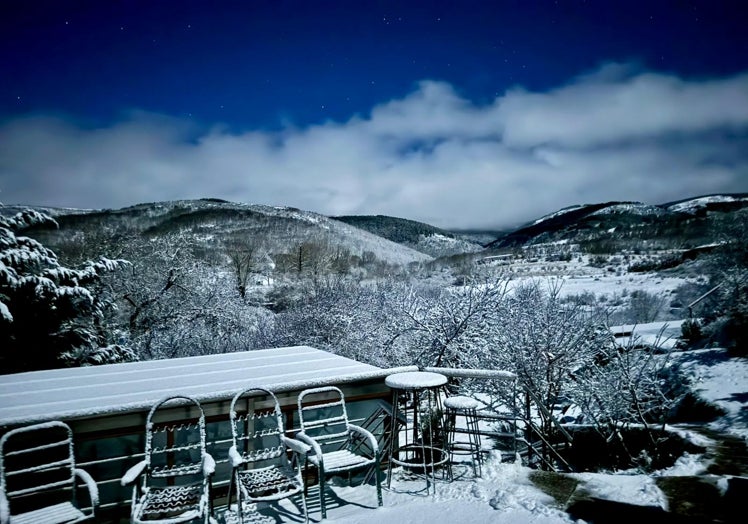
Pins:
<point x="432" y="155"/>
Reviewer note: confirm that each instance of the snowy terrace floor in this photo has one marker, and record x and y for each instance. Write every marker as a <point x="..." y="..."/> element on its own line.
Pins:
<point x="504" y="494"/>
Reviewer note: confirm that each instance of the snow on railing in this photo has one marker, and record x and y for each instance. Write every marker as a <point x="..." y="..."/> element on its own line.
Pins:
<point x="495" y="374"/>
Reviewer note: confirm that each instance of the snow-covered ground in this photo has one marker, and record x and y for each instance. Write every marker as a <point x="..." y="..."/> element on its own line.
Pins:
<point x="723" y="381"/>
<point x="505" y="494"/>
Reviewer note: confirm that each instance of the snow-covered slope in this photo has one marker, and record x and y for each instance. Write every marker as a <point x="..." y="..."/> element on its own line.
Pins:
<point x="632" y="208"/>
<point x="208" y="220"/>
<point x="557" y="214"/>
<point x="690" y="206"/>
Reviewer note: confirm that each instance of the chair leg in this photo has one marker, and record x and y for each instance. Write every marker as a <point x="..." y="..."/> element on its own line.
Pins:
<point x="377" y="476"/>
<point x="239" y="501"/>
<point x="321" y="472"/>
<point x="210" y="501"/>
<point x="304" y="508"/>
<point x="231" y="489"/>
<point x="306" y="476"/>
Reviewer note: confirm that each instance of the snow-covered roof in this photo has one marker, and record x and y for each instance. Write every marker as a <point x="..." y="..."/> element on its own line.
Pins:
<point x="663" y="334"/>
<point x="117" y="388"/>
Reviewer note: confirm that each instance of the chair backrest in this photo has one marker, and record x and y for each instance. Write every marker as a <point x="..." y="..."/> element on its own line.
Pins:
<point x="175" y="439"/>
<point x="323" y="417"/>
<point x="257" y="427"/>
<point x="37" y="466"/>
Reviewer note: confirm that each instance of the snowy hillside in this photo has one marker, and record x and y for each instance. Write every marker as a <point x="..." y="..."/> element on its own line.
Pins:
<point x="692" y="205"/>
<point x="556" y="214"/>
<point x="633" y="208"/>
<point x="209" y="220"/>
<point x="620" y="226"/>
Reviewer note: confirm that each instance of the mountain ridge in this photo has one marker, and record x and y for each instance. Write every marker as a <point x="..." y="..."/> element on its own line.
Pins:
<point x="417" y="241"/>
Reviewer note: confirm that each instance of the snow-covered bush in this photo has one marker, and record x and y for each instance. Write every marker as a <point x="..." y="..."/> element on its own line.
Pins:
<point x="49" y="315"/>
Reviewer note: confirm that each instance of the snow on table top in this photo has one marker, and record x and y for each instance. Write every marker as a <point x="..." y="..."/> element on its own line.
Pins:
<point x="415" y="380"/>
<point x="117" y="388"/>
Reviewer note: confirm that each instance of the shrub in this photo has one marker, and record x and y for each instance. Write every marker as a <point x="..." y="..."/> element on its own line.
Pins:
<point x="691" y="332"/>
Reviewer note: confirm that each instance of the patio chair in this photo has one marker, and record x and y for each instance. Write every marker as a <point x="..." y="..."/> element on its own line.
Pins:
<point x="337" y="445"/>
<point x="38" y="477"/>
<point x="172" y="483"/>
<point x="262" y="470"/>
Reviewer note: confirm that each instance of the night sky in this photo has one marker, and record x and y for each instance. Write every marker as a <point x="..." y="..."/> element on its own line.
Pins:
<point x="460" y="114"/>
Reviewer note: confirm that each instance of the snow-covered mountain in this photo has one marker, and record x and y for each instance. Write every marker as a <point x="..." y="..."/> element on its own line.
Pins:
<point x="681" y="224"/>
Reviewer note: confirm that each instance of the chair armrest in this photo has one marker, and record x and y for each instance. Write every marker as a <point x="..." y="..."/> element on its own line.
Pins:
<point x="235" y="457"/>
<point x="133" y="473"/>
<point x="209" y="465"/>
<point x="306" y="439"/>
<point x="367" y="435"/>
<point x="93" y="489"/>
<point x="296" y="445"/>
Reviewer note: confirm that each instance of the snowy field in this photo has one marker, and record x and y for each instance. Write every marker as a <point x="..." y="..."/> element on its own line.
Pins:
<point x="505" y="493"/>
<point x="584" y="279"/>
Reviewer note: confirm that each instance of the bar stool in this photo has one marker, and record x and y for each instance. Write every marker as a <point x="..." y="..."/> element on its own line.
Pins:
<point x="466" y="408"/>
<point x="420" y="445"/>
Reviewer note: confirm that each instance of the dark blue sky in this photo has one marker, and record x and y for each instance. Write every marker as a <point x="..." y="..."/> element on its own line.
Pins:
<point x="266" y="63"/>
<point x="455" y="113"/>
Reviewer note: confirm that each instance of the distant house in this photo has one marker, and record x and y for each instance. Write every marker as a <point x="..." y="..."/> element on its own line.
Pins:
<point x="496" y="259"/>
<point x="106" y="406"/>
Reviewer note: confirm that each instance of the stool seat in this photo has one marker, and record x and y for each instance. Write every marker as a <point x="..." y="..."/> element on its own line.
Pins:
<point x="461" y="403"/>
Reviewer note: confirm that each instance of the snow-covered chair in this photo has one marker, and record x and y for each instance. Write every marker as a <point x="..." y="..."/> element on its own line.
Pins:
<point x="260" y="450"/>
<point x="337" y="445"/>
<point x="38" y="478"/>
<point x="172" y="483"/>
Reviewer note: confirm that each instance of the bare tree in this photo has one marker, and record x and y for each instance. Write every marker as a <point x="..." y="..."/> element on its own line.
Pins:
<point x="247" y="257"/>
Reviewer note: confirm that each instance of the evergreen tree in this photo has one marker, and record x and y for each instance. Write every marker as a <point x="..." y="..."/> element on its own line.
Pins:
<point x="48" y="315"/>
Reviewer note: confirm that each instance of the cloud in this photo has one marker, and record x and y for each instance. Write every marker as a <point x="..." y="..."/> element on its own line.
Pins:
<point x="433" y="155"/>
<point x="598" y="110"/>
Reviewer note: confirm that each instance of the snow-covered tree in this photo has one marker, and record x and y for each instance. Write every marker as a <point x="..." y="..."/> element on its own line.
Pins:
<point x="729" y="271"/>
<point x="48" y="315"/>
<point x="175" y="304"/>
<point x="341" y="315"/>
<point x="629" y="385"/>
<point x="449" y="327"/>
<point x="543" y="340"/>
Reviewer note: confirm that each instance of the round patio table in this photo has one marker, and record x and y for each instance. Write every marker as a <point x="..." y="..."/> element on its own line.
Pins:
<point x="419" y="445"/>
